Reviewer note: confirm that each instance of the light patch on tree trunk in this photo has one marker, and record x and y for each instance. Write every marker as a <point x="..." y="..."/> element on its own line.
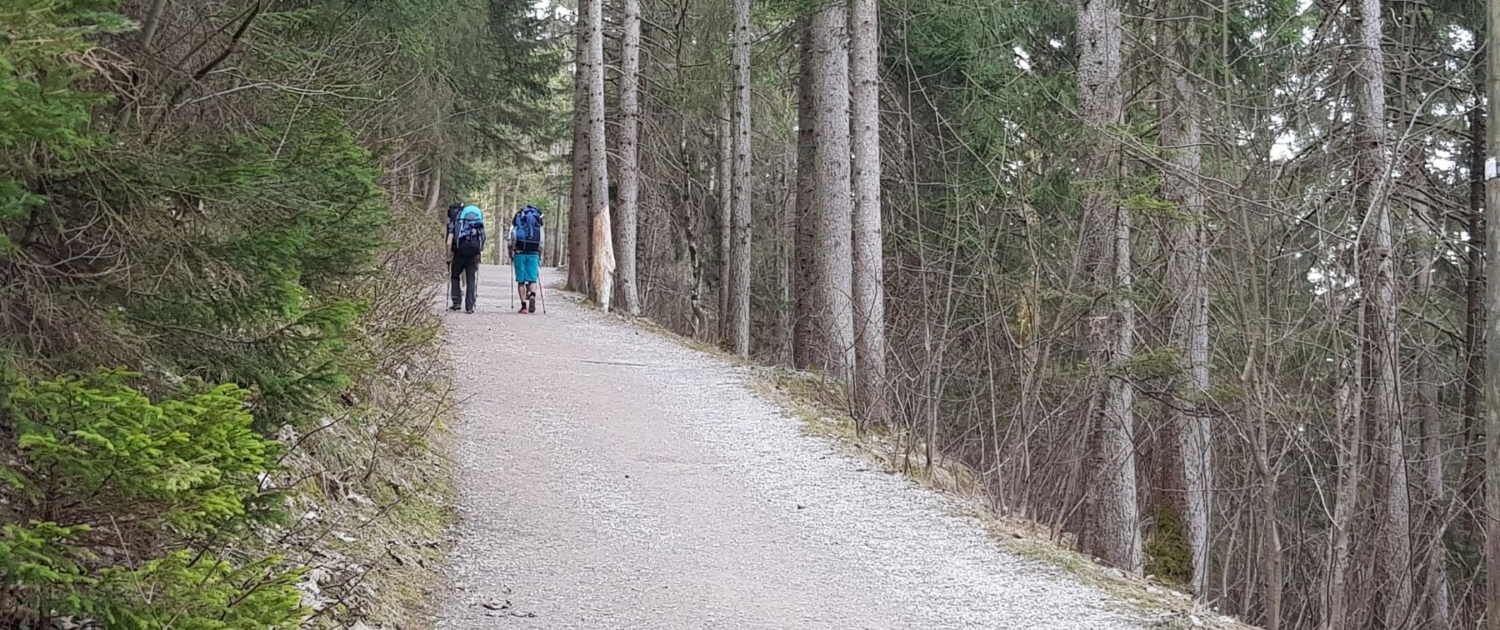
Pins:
<point x="434" y="190"/>
<point x="604" y="263"/>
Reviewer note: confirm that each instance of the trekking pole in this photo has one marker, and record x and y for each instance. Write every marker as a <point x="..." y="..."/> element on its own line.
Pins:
<point x="541" y="287"/>
<point x="512" y="293"/>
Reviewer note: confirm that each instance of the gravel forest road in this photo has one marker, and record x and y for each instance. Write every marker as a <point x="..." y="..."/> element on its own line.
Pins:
<point x="611" y="478"/>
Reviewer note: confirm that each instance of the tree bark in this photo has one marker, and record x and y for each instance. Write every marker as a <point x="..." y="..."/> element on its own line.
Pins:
<point x="1469" y="522"/>
<point x="1492" y="341"/>
<point x="1271" y="553"/>
<point x="786" y="236"/>
<point x="724" y="176"/>
<point x="1187" y="266"/>
<point x="1349" y="426"/>
<point x="1435" y="610"/>
<point x="1471" y="479"/>
<point x="871" y="407"/>
<point x="739" y="263"/>
<point x="1112" y="522"/>
<point x="602" y="259"/>
<point x="698" y="315"/>
<point x="580" y="233"/>
<point x="1438" y="607"/>
<point x="804" y="240"/>
<point x="564" y="232"/>
<point x="434" y="190"/>
<point x="832" y="341"/>
<point x="630" y="111"/>
<point x="1382" y="341"/>
<point x="495" y="213"/>
<point x="152" y="22"/>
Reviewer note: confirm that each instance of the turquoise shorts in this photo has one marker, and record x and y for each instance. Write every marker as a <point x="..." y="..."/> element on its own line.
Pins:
<point x="528" y="267"/>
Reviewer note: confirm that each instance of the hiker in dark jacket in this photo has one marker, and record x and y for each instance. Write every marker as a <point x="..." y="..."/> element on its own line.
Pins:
<point x="465" y="244"/>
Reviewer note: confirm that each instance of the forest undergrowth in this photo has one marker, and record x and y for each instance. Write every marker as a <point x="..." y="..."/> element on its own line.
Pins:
<point x="222" y="387"/>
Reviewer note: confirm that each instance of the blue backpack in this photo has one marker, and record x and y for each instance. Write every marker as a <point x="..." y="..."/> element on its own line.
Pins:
<point x="468" y="233"/>
<point x="528" y="224"/>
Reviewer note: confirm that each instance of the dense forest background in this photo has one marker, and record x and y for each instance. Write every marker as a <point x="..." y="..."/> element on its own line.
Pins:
<point x="1197" y="284"/>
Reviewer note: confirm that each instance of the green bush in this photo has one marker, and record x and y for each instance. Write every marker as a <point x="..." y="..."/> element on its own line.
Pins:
<point x="39" y="42"/>
<point x="102" y="474"/>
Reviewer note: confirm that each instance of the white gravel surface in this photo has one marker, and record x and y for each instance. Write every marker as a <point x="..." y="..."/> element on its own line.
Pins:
<point x="614" y="479"/>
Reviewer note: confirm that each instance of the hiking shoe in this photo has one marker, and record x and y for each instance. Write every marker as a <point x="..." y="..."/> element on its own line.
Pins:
<point x="468" y="311"/>
<point x="455" y="307"/>
<point x="523" y="309"/>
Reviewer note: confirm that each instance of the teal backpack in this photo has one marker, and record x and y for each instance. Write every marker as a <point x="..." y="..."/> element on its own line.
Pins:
<point x="469" y="232"/>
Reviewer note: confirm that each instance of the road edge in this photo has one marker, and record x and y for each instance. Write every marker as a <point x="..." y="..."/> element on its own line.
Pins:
<point x="814" y="402"/>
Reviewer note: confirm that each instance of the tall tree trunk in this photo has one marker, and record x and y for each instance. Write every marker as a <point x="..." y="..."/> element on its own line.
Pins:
<point x="1435" y="610"/>
<point x="497" y="211"/>
<point x="602" y="259"/>
<point x="1471" y="480"/>
<point x="1187" y="266"/>
<point x="630" y="112"/>
<point x="1270" y="550"/>
<point x="435" y="190"/>
<point x="564" y="232"/>
<point x="786" y="235"/>
<point x="1492" y="341"/>
<point x="739" y="262"/>
<point x="1382" y="336"/>
<point x="1438" y="607"/>
<point x="804" y="240"/>
<point x="151" y="23"/>
<point x="1349" y="462"/>
<point x="832" y="340"/>
<point x="724" y="176"/>
<point x="871" y="407"/>
<point x="698" y="315"/>
<point x="1469" y="524"/>
<point x="1112" y="522"/>
<point x="580" y="233"/>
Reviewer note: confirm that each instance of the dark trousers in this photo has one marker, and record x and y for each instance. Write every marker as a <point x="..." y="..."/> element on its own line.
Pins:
<point x="467" y="267"/>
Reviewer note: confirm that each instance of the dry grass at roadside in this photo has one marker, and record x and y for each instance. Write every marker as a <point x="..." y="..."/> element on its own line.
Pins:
<point x="370" y="488"/>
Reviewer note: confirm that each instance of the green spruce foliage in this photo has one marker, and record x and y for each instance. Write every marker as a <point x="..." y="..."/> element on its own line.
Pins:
<point x="97" y="462"/>
<point x="204" y="243"/>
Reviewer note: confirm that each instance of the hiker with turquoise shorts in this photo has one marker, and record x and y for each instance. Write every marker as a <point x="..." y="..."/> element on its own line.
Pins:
<point x="527" y="236"/>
